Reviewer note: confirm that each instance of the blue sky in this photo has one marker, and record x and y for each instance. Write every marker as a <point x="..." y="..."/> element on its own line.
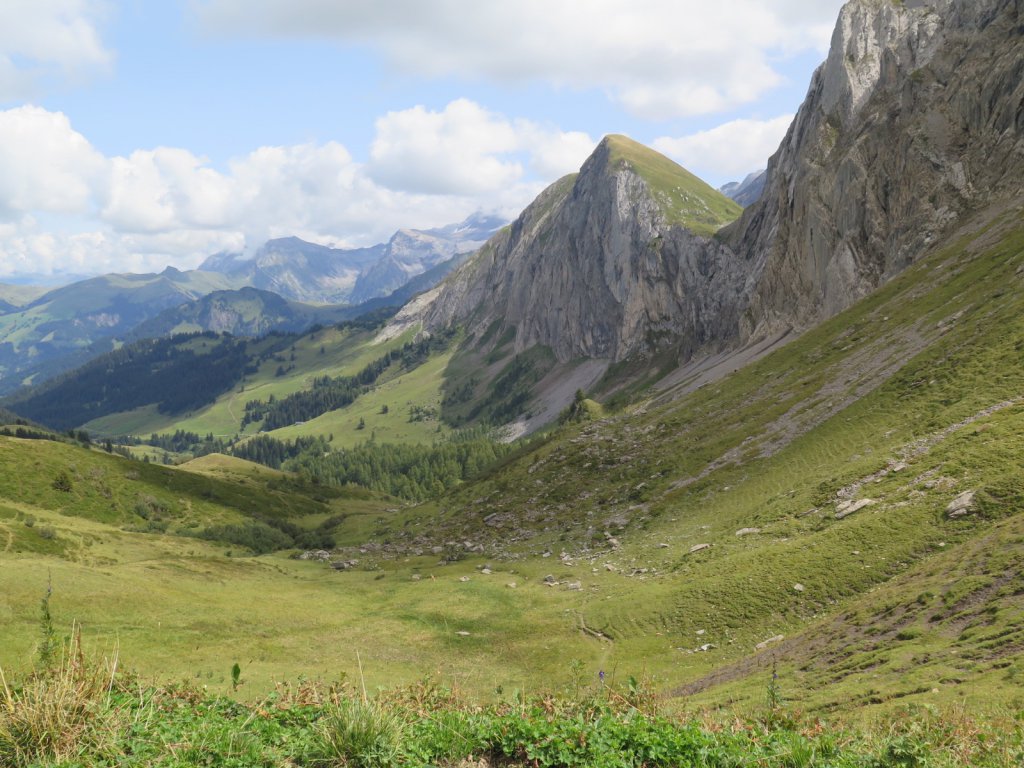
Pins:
<point x="136" y="134"/>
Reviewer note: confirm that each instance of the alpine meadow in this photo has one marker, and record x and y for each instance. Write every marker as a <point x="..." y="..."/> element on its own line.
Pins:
<point x="650" y="475"/>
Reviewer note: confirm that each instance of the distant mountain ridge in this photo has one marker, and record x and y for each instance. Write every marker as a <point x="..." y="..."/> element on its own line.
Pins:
<point x="67" y="322"/>
<point x="747" y="191"/>
<point x="319" y="274"/>
<point x="43" y="333"/>
<point x="243" y="312"/>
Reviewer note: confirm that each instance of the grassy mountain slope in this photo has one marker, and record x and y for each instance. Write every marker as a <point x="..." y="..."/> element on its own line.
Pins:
<point x="182" y="607"/>
<point x="907" y="400"/>
<point x="685" y="199"/>
<point x="412" y="398"/>
<point x="66" y="322"/>
<point x="20" y="295"/>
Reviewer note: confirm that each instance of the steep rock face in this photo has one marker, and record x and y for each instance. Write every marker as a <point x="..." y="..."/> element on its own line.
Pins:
<point x="593" y="268"/>
<point x="915" y="118"/>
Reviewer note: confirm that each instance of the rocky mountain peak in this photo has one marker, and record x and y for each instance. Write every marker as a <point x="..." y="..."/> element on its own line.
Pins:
<point x="914" y="119"/>
<point x="874" y="41"/>
<point x="604" y="264"/>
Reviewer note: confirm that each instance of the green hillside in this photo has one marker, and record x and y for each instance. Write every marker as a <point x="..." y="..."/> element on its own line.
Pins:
<point x="902" y="404"/>
<point x="795" y="515"/>
<point x="71" y="324"/>
<point x="20" y="295"/>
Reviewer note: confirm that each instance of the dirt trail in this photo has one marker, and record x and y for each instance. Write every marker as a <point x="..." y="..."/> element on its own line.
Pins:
<point x="10" y="537"/>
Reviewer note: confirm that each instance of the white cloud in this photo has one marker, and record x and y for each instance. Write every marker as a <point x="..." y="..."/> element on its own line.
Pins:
<point x="555" y="153"/>
<point x="45" y="165"/>
<point x="468" y="150"/>
<point x="730" y="150"/>
<point x="461" y="150"/>
<point x="43" y="39"/>
<point x="658" y="58"/>
<point x="164" y="189"/>
<point x="66" y="207"/>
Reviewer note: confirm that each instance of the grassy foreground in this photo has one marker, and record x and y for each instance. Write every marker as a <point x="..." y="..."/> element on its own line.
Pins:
<point x="73" y="712"/>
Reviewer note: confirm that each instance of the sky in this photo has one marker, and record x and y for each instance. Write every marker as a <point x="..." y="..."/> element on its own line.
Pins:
<point x="138" y="134"/>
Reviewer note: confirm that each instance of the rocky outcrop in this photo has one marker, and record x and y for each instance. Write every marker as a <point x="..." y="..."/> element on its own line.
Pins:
<point x="915" y="118"/>
<point x="593" y="268"/>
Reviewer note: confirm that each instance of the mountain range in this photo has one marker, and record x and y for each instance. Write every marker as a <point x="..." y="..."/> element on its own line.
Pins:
<point x="301" y="271"/>
<point x="43" y="333"/>
<point x="747" y="191"/>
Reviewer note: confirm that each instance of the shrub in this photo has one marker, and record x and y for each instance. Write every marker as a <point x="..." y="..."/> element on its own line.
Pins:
<point x="62" y="482"/>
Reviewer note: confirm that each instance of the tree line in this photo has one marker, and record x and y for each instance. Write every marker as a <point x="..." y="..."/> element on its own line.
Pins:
<point x="328" y="393"/>
<point x="167" y="372"/>
<point x="414" y="472"/>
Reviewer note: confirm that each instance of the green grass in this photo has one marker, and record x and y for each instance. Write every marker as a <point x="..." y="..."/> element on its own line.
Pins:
<point x="20" y="295"/>
<point x="182" y="609"/>
<point x="345" y="352"/>
<point x="769" y="447"/>
<point x="78" y="712"/>
<point x="418" y="388"/>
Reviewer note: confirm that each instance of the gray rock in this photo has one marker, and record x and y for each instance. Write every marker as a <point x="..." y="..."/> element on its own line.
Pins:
<point x="770" y="641"/>
<point x="592" y="269"/>
<point x="747" y="531"/>
<point x="847" y="508"/>
<point x="699" y="548"/>
<point x="928" y="88"/>
<point x="574" y="586"/>
<point x="962" y="505"/>
<point x="315" y="554"/>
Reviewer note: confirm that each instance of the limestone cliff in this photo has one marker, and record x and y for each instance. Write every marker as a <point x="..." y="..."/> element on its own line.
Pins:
<point x="915" y="118"/>
<point x="605" y="264"/>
